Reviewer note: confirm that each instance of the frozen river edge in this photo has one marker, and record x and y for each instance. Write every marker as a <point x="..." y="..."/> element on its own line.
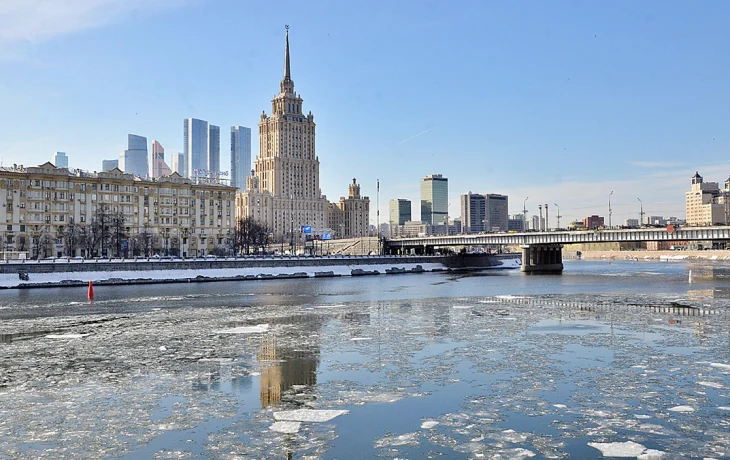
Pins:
<point x="195" y="275"/>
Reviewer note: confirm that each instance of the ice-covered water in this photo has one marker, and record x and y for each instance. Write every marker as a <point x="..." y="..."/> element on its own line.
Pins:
<point x="413" y="366"/>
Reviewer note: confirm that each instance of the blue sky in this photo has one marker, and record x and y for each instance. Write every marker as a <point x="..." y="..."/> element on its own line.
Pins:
<point x="558" y="101"/>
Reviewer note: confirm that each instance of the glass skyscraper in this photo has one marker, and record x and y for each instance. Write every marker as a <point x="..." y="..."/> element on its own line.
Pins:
<point x="214" y="149"/>
<point x="240" y="156"/>
<point x="195" y="144"/>
<point x="60" y="160"/>
<point x="435" y="200"/>
<point x="134" y="159"/>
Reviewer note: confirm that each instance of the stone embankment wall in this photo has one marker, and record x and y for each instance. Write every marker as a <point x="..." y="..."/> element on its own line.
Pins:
<point x="651" y="255"/>
<point x="64" y="266"/>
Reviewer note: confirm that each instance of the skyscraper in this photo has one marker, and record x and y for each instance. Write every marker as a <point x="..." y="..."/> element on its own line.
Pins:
<point x="60" y="160"/>
<point x="284" y="193"/>
<point x="434" y="199"/>
<point x="473" y="212"/>
<point x="134" y="159"/>
<point x="108" y="165"/>
<point x="195" y="144"/>
<point x="399" y="211"/>
<point x="240" y="156"/>
<point x="179" y="164"/>
<point x="159" y="167"/>
<point x="214" y="149"/>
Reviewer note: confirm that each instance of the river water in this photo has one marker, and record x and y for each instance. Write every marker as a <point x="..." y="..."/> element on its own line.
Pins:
<point x="622" y="357"/>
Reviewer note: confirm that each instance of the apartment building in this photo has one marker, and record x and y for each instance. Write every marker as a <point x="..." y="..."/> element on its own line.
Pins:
<point x="56" y="212"/>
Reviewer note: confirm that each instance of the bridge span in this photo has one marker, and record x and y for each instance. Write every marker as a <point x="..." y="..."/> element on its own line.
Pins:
<point x="541" y="251"/>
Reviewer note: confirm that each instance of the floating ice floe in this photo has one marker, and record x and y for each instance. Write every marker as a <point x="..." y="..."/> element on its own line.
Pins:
<point x="428" y="424"/>
<point x="408" y="439"/>
<point x="723" y="407"/>
<point x="682" y="409"/>
<point x="308" y="415"/>
<point x="66" y="336"/>
<point x="711" y="384"/>
<point x="642" y="416"/>
<point x="720" y="365"/>
<point x="330" y="306"/>
<point x="628" y="449"/>
<point x="245" y="329"/>
<point x="357" y="339"/>
<point x="462" y="307"/>
<point x="285" y="427"/>
<point x="651" y="454"/>
<point x="560" y="406"/>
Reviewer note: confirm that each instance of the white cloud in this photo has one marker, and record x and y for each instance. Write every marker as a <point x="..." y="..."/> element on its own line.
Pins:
<point x="39" y="20"/>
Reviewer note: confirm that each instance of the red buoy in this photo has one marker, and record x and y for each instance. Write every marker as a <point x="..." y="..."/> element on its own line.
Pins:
<point x="91" y="290"/>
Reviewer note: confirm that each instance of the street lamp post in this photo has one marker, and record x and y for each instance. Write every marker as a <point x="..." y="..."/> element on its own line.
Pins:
<point x="609" y="209"/>
<point x="559" y="216"/>
<point x="641" y="212"/>
<point x="524" y="215"/>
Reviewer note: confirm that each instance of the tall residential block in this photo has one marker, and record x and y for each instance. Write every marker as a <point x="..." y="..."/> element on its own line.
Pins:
<point x="108" y="165"/>
<point x="434" y="199"/>
<point x="60" y="160"/>
<point x="195" y="146"/>
<point x="399" y="211"/>
<point x="240" y="156"/>
<point x="134" y="159"/>
<point x="214" y="149"/>
<point x="159" y="167"/>
<point x="484" y="213"/>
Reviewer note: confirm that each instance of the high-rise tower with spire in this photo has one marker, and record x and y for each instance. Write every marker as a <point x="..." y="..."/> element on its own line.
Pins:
<point x="283" y="191"/>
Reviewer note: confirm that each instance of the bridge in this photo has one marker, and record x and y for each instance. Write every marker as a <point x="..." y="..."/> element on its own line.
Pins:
<point x="541" y="251"/>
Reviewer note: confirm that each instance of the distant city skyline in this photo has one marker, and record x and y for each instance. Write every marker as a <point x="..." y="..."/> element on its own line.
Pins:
<point x="576" y="100"/>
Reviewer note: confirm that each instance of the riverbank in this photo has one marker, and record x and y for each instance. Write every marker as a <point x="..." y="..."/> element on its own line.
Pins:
<point x="652" y="255"/>
<point x="261" y="269"/>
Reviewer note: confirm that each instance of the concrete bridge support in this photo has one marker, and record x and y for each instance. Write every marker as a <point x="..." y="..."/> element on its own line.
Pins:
<point x="542" y="258"/>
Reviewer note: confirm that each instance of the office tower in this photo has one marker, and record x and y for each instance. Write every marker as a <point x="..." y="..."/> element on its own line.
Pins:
<point x="159" y="167"/>
<point x="108" y="165"/>
<point x="497" y="214"/>
<point x="134" y="159"/>
<point x="60" y="160"/>
<point x="179" y="164"/>
<point x="240" y="156"/>
<point x="284" y="193"/>
<point x="399" y="211"/>
<point x="434" y="199"/>
<point x="195" y="145"/>
<point x="214" y="149"/>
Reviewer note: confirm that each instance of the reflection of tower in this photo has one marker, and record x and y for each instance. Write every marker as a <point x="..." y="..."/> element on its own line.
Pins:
<point x="288" y="367"/>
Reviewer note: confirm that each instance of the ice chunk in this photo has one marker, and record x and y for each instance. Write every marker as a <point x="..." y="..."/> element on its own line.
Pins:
<point x="408" y="439"/>
<point x="642" y="416"/>
<point x="626" y="449"/>
<point x="308" y="415"/>
<point x="560" y="406"/>
<point x="330" y="306"/>
<point x="651" y="454"/>
<point x="246" y="329"/>
<point x="66" y="336"/>
<point x="428" y="424"/>
<point x="462" y="307"/>
<point x="355" y="339"/>
<point x="711" y="384"/>
<point x="285" y="427"/>
<point x="724" y="407"/>
<point x="720" y="365"/>
<point x="682" y="409"/>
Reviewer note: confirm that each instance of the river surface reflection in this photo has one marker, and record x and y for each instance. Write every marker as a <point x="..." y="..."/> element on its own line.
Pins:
<point x="620" y="357"/>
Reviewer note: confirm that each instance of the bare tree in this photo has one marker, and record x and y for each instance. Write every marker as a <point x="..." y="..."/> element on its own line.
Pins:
<point x="144" y="240"/>
<point x="249" y="234"/>
<point x="117" y="232"/>
<point x="103" y="224"/>
<point x="70" y="238"/>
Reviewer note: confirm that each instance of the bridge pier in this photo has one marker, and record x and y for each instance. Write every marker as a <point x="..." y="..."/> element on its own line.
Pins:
<point x="542" y="258"/>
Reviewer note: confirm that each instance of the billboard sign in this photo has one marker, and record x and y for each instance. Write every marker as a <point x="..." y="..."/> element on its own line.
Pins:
<point x="326" y="236"/>
<point x="306" y="229"/>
